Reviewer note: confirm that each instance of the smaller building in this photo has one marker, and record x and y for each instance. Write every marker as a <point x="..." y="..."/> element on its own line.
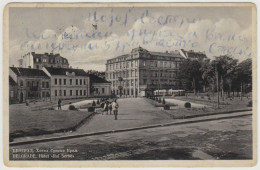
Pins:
<point x="68" y="82"/>
<point x="38" y="61"/>
<point x="12" y="91"/>
<point x="99" y="86"/>
<point x="31" y="83"/>
<point x="193" y="55"/>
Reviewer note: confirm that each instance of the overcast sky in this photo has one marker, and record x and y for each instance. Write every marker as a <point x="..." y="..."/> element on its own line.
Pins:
<point x="90" y="36"/>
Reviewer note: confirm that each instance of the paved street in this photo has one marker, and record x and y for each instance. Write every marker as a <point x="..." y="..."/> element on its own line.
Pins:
<point x="133" y="112"/>
<point x="219" y="139"/>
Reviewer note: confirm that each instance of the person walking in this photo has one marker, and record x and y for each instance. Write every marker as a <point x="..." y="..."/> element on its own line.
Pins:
<point x="110" y="107"/>
<point x="115" y="107"/>
<point x="105" y="107"/>
<point x="59" y="104"/>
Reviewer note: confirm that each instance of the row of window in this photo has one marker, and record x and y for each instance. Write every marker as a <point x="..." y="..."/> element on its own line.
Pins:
<point x="98" y="92"/>
<point x="122" y="65"/>
<point x="124" y="83"/>
<point x="70" y="92"/>
<point x="123" y="74"/>
<point x="70" y="81"/>
<point x="45" y="60"/>
<point x="45" y="84"/>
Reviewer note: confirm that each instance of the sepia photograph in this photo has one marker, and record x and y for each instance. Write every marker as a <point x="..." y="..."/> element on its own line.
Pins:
<point x="99" y="83"/>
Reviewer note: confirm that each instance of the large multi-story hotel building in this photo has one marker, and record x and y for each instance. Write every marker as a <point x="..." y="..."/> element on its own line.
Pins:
<point x="141" y="72"/>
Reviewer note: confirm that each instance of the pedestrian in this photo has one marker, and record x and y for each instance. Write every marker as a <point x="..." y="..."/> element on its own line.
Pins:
<point x="115" y="107"/>
<point x="105" y="107"/>
<point x="107" y="103"/>
<point x="110" y="107"/>
<point x="59" y="104"/>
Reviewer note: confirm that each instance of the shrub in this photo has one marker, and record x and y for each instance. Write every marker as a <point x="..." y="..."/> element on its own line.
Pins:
<point x="249" y="104"/>
<point x="98" y="102"/>
<point x="159" y="101"/>
<point x="93" y="103"/>
<point x="72" y="107"/>
<point x="91" y="109"/>
<point x="163" y="101"/>
<point x="167" y="107"/>
<point x="187" y="105"/>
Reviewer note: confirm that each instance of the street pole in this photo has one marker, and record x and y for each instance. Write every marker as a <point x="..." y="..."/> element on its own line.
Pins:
<point x="217" y="86"/>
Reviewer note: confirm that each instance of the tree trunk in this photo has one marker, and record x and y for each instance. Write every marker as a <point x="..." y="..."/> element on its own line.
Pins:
<point x="194" y="86"/>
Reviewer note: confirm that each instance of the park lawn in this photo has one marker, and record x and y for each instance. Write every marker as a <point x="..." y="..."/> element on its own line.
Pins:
<point x="25" y="122"/>
<point x="233" y="105"/>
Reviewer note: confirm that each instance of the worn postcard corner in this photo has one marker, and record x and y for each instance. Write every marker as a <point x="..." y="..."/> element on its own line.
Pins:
<point x="130" y="85"/>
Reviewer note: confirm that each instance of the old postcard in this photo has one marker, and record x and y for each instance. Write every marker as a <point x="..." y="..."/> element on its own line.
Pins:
<point x="129" y="84"/>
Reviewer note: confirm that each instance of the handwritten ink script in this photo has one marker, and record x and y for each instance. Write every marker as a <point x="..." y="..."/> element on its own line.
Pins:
<point x="147" y="30"/>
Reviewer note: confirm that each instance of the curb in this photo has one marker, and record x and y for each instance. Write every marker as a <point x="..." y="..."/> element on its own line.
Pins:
<point x="121" y="130"/>
<point x="208" y="114"/>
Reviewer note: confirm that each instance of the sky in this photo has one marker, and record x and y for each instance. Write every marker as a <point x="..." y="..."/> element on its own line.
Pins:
<point x="87" y="37"/>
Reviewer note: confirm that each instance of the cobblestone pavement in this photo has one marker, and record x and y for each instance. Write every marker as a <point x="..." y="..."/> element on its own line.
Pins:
<point x="219" y="139"/>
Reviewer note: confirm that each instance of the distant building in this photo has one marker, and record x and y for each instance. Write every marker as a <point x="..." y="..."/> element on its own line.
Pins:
<point x="31" y="83"/>
<point x="99" y="86"/>
<point x="141" y="72"/>
<point x="68" y="82"/>
<point x="193" y="55"/>
<point x="13" y="98"/>
<point x="37" y="61"/>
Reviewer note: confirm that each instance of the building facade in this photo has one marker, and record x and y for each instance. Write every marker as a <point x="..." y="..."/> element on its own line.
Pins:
<point x="31" y="84"/>
<point x="38" y="61"/>
<point x="193" y="55"/>
<point x="68" y="82"/>
<point x="12" y="91"/>
<point x="99" y="87"/>
<point x="141" y="72"/>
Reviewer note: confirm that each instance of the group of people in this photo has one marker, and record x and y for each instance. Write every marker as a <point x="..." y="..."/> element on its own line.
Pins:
<point x="111" y="107"/>
<point x="108" y="106"/>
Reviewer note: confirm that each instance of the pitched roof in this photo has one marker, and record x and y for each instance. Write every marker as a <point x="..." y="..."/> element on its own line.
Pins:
<point x="12" y="82"/>
<point x="193" y="54"/>
<point x="28" y="72"/>
<point x="95" y="79"/>
<point x="166" y="54"/>
<point x="49" y="55"/>
<point x="64" y="71"/>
